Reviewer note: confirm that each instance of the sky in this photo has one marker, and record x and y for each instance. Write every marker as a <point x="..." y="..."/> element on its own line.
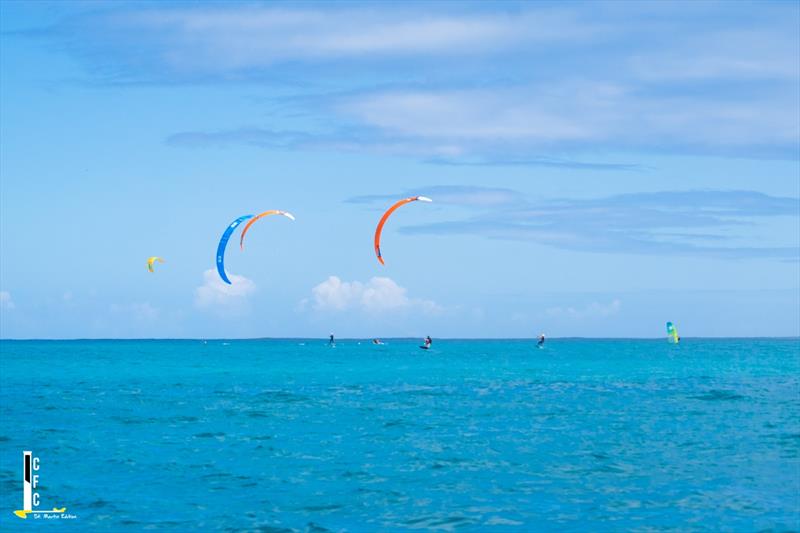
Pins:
<point x="596" y="169"/>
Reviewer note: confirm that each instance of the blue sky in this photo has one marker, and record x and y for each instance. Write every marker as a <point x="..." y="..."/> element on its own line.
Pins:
<point x="596" y="168"/>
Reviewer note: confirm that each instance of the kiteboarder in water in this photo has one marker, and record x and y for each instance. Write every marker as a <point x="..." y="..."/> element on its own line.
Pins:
<point x="672" y="333"/>
<point x="428" y="341"/>
<point x="541" y="341"/>
<point x="331" y="342"/>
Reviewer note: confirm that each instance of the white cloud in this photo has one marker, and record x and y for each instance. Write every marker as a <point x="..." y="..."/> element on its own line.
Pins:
<point x="216" y="294"/>
<point x="571" y="113"/>
<point x="593" y="310"/>
<point x="378" y="295"/>
<point x="628" y="79"/>
<point x="247" y="37"/>
<point x="751" y="54"/>
<point x="460" y="195"/>
<point x="5" y="301"/>
<point x="482" y="114"/>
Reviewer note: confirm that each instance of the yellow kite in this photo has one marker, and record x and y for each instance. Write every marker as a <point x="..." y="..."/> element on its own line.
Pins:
<point x="152" y="260"/>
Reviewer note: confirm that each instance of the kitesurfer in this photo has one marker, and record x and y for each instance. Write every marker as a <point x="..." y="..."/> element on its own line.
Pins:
<point x="331" y="342"/>
<point x="541" y="340"/>
<point x="428" y="341"/>
<point x="376" y="341"/>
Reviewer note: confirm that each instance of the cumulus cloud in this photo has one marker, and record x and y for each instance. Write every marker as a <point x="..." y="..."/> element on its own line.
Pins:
<point x="216" y="294"/>
<point x="5" y="300"/>
<point x="592" y="310"/>
<point x="378" y="295"/>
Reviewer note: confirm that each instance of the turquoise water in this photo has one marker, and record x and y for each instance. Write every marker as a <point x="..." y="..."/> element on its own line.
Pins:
<point x="274" y="435"/>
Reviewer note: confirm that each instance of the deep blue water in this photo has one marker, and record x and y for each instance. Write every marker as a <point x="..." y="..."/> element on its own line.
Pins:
<point x="274" y="435"/>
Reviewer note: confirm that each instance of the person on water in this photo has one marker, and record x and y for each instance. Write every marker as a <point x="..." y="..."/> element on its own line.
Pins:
<point x="331" y="342"/>
<point x="377" y="341"/>
<point x="541" y="341"/>
<point x="428" y="341"/>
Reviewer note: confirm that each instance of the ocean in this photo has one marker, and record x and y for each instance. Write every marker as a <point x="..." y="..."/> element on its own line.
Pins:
<point x="473" y="435"/>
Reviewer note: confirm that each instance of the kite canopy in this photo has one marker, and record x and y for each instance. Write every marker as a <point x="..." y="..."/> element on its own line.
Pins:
<point x="672" y="333"/>
<point x="152" y="260"/>
<point x="386" y="215"/>
<point x="264" y="214"/>
<point x="223" y="242"/>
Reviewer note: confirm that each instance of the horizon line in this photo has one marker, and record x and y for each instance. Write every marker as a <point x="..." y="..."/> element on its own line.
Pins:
<point x="326" y="339"/>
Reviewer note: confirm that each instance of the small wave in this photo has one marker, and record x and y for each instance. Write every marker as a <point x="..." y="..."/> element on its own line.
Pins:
<point x="183" y="419"/>
<point x="500" y="521"/>
<point x="719" y="395"/>
<point x="99" y="504"/>
<point x="360" y="474"/>
<point x="8" y="486"/>
<point x="209" y="435"/>
<point x="53" y="430"/>
<point x="281" y="396"/>
<point x="217" y="475"/>
<point x="321" y="508"/>
<point x="261" y="529"/>
<point x="447" y="523"/>
<point x="134" y="420"/>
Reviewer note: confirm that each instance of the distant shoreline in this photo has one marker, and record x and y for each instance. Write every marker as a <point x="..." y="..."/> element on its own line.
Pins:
<point x="359" y="339"/>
